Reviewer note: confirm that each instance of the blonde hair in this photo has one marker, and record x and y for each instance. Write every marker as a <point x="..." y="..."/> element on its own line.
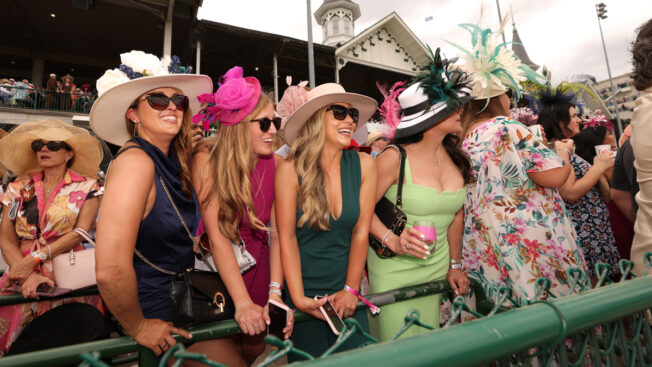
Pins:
<point x="306" y="152"/>
<point x="232" y="160"/>
<point x="181" y="143"/>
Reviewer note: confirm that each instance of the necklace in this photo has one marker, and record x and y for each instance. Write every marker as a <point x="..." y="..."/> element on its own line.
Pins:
<point x="439" y="162"/>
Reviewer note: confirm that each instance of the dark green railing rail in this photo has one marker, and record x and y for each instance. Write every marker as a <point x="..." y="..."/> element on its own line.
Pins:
<point x="14" y="299"/>
<point x="106" y="349"/>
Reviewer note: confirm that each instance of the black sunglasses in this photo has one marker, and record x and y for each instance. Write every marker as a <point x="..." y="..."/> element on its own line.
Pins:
<point x="160" y="101"/>
<point x="52" y="145"/>
<point x="266" y="123"/>
<point x="340" y="112"/>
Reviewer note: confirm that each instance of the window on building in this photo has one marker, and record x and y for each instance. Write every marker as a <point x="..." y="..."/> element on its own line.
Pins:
<point x="347" y="25"/>
<point x="336" y="24"/>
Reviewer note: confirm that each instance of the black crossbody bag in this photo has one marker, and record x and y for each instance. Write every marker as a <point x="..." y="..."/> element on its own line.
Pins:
<point x="389" y="213"/>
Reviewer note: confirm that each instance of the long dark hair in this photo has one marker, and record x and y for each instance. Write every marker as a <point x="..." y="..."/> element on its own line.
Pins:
<point x="586" y="141"/>
<point x="451" y="145"/>
<point x="550" y="117"/>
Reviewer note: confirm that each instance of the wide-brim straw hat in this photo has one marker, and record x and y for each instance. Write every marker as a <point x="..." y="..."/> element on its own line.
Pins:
<point x="373" y="136"/>
<point x="325" y="95"/>
<point x="17" y="155"/>
<point x="107" y="118"/>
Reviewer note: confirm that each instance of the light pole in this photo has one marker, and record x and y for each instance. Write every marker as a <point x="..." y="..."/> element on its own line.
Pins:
<point x="311" y="54"/>
<point x="601" y="11"/>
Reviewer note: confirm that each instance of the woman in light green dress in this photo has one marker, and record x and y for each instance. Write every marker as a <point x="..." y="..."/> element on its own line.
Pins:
<point x="436" y="171"/>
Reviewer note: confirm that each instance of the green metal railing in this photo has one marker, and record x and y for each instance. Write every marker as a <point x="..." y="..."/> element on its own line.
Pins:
<point x="608" y="326"/>
<point x="43" y="99"/>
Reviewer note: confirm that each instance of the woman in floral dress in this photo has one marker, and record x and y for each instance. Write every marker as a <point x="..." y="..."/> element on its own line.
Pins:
<point x="516" y="227"/>
<point x="56" y="191"/>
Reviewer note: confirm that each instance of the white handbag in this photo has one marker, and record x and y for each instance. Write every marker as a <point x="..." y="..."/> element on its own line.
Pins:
<point x="75" y="269"/>
<point x="244" y="258"/>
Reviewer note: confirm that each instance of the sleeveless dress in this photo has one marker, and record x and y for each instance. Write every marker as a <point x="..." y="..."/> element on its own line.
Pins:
<point x="256" y="241"/>
<point x="325" y="260"/>
<point x="419" y="203"/>
<point x="162" y="239"/>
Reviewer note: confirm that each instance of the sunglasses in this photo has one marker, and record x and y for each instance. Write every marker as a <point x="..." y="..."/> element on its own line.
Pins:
<point x="340" y="112"/>
<point x="266" y="123"/>
<point x="160" y="101"/>
<point x="52" y="145"/>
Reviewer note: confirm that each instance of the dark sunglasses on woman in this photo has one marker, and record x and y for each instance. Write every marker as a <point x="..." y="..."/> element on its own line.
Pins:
<point x="160" y="101"/>
<point x="340" y="112"/>
<point x="52" y="145"/>
<point x="266" y="123"/>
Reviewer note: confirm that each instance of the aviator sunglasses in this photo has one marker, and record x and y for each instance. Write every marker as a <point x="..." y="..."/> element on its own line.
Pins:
<point x="266" y="123"/>
<point x="160" y="101"/>
<point x="52" y="145"/>
<point x="340" y="112"/>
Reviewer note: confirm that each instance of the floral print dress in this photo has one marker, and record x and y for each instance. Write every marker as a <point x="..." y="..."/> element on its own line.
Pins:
<point x="37" y="224"/>
<point x="515" y="231"/>
<point x="592" y="223"/>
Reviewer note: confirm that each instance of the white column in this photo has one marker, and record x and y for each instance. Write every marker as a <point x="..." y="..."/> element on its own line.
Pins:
<point x="167" y="35"/>
<point x="198" y="58"/>
<point x="275" y="76"/>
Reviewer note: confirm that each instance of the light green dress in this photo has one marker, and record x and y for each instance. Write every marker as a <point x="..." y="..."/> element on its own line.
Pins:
<point x="419" y="203"/>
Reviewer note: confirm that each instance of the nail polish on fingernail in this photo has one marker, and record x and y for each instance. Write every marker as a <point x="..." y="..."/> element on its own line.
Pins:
<point x="427" y="252"/>
<point x="423" y="236"/>
<point x="425" y="257"/>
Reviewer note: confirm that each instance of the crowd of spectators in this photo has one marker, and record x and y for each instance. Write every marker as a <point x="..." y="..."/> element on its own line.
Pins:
<point x="59" y="94"/>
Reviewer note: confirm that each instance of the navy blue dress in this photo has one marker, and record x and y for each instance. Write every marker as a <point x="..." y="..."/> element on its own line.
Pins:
<point x="162" y="239"/>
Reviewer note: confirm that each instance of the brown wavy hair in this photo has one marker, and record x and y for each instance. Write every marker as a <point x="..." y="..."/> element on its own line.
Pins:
<point x="181" y="143"/>
<point x="473" y="111"/>
<point x="306" y="152"/>
<point x="232" y="159"/>
<point x="642" y="57"/>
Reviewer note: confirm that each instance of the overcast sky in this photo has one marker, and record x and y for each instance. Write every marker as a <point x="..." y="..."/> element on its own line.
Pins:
<point x="561" y="34"/>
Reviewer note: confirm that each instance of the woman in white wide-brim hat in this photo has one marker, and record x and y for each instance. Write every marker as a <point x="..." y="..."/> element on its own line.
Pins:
<point x="55" y="192"/>
<point x="324" y="203"/>
<point x="146" y="109"/>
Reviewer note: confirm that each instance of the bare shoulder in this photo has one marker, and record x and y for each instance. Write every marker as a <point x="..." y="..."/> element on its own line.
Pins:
<point x="285" y="171"/>
<point x="367" y="162"/>
<point x="130" y="162"/>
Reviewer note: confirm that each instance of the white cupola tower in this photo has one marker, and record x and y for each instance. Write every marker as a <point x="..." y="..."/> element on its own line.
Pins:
<point x="337" y="18"/>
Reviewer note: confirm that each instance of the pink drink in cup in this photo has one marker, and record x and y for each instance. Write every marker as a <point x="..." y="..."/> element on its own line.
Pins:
<point x="428" y="229"/>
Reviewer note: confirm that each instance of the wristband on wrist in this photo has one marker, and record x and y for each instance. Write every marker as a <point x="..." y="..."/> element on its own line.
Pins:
<point x="456" y="266"/>
<point x="374" y="309"/>
<point x="565" y="150"/>
<point x="275" y="291"/>
<point x="275" y="285"/>
<point x="242" y="303"/>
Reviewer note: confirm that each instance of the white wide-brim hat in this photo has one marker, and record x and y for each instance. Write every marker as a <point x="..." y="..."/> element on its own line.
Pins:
<point x="325" y="95"/>
<point x="107" y="118"/>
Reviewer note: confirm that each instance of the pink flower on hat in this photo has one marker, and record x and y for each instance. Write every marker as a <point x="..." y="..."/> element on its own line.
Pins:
<point x="293" y="98"/>
<point x="234" y="99"/>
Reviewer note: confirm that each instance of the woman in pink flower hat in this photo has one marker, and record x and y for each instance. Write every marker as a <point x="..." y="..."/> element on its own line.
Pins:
<point x="233" y="176"/>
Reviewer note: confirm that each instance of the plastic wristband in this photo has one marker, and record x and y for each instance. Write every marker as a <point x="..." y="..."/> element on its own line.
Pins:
<point x="456" y="266"/>
<point x="275" y="291"/>
<point x="275" y="284"/>
<point x="374" y="309"/>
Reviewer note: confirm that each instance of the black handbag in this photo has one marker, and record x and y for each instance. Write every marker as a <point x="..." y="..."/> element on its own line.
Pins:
<point x="199" y="296"/>
<point x="389" y="213"/>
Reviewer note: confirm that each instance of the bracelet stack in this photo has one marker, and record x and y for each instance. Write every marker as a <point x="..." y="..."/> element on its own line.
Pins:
<point x="275" y="288"/>
<point x="456" y="264"/>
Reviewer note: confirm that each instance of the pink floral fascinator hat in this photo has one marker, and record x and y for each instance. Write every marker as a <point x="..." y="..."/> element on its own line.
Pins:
<point x="235" y="98"/>
<point x="293" y="97"/>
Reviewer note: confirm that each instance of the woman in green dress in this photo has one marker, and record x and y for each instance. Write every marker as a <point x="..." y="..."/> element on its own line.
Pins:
<point x="436" y="171"/>
<point x="324" y="203"/>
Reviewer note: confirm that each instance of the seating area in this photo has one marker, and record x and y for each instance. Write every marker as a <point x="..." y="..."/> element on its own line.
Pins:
<point x="23" y="94"/>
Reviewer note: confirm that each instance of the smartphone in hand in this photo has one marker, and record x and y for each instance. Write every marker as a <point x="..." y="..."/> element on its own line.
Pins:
<point x="278" y="315"/>
<point x="332" y="317"/>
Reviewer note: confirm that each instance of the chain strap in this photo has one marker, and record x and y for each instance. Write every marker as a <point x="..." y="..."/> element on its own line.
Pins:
<point x="176" y="210"/>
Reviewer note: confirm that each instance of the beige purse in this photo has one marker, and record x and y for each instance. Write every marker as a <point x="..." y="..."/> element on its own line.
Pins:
<point x="75" y="269"/>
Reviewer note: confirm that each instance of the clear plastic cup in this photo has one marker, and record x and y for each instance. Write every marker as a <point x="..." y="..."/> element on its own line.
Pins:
<point x="429" y="230"/>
